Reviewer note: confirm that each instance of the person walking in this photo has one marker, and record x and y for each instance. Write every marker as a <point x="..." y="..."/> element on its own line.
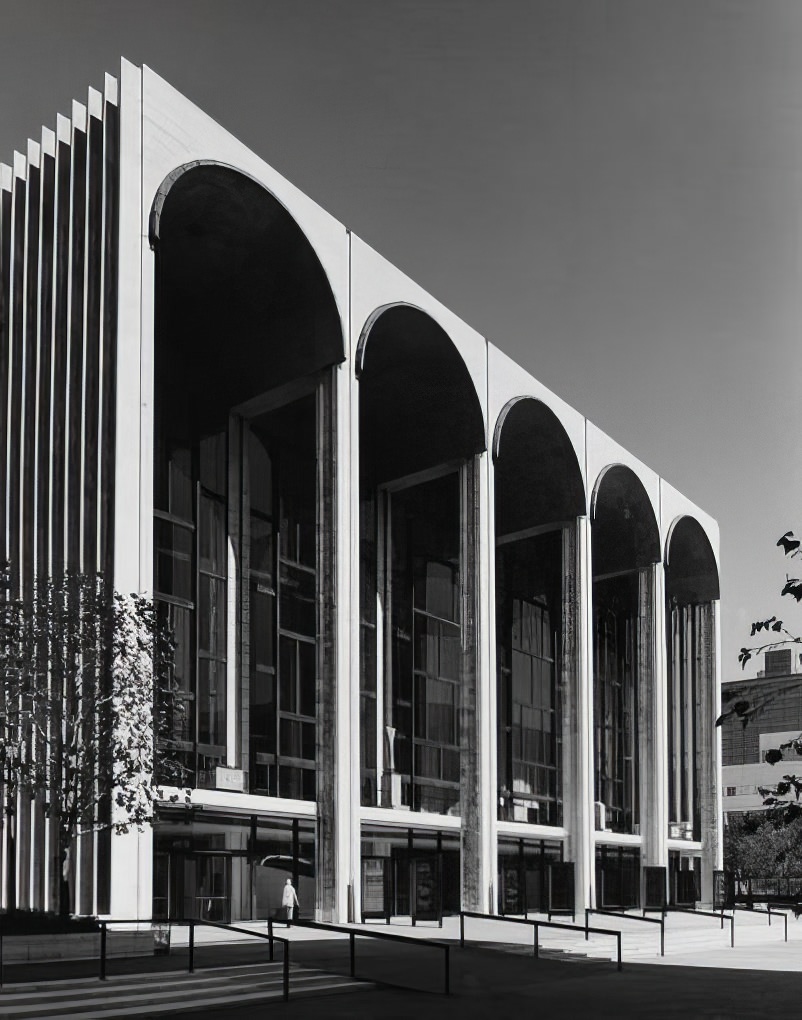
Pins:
<point x="289" y="899"/>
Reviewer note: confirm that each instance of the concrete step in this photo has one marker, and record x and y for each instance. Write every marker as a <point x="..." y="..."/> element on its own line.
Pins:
<point x="166" y="994"/>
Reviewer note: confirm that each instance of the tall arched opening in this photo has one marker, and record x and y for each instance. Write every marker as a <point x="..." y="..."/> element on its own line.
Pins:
<point x="692" y="589"/>
<point x="625" y="546"/>
<point x="539" y="495"/>
<point x="421" y="430"/>
<point x="246" y="334"/>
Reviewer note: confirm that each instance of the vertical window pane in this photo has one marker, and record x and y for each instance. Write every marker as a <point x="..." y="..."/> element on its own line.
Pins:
<point x="288" y="679"/>
<point x="261" y="549"/>
<point x="307" y="671"/>
<point x="211" y="702"/>
<point x="212" y="616"/>
<point x="211" y="536"/>
<point x="263" y="628"/>
<point x="173" y="555"/>
<point x="260" y="476"/>
<point x="213" y="453"/>
<point x="179" y="499"/>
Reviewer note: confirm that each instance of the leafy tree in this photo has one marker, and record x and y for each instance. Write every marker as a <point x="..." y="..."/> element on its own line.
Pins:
<point x="86" y="690"/>
<point x="758" y="844"/>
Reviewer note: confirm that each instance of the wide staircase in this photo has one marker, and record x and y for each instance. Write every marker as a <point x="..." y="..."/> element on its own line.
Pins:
<point x="686" y="935"/>
<point x="689" y="940"/>
<point x="167" y="993"/>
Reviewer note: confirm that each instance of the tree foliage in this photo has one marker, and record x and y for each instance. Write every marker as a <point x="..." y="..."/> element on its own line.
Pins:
<point x="86" y="690"/>
<point x="760" y="845"/>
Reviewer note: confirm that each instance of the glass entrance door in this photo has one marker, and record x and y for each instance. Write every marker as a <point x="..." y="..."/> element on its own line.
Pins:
<point x="207" y="887"/>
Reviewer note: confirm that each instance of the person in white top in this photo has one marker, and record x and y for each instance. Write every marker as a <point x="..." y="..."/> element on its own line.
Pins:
<point x="289" y="900"/>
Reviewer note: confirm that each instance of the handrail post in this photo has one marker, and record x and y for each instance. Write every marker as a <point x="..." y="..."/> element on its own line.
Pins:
<point x="102" y="950"/>
<point x="769" y="913"/>
<point x="537" y="940"/>
<point x="448" y="975"/>
<point x="352" y="949"/>
<point x="587" y="912"/>
<point x="619" y="950"/>
<point x="784" y="915"/>
<point x="191" y="947"/>
<point x="270" y="936"/>
<point x="662" y="937"/>
<point x="732" y="930"/>
<point x="286" y="971"/>
<point x="462" y="929"/>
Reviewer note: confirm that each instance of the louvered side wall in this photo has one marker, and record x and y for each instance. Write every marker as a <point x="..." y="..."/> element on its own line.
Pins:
<point x="58" y="316"/>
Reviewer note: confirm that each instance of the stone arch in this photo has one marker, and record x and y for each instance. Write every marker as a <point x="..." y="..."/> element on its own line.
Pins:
<point x="625" y="531"/>
<point x="538" y="477"/>
<point x="690" y="563"/>
<point x="240" y="291"/>
<point x="418" y="404"/>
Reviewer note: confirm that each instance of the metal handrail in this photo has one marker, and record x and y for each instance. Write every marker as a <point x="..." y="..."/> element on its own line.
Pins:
<point x="191" y="922"/>
<point x="707" y="913"/>
<point x="768" y="910"/>
<point x="629" y="917"/>
<point x="389" y="936"/>
<point x="537" y="925"/>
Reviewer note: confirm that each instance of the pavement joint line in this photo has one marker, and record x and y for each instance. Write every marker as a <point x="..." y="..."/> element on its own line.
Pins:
<point x="225" y="1001"/>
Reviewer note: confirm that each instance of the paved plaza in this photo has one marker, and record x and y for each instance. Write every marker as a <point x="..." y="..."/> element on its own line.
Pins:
<point x="495" y="975"/>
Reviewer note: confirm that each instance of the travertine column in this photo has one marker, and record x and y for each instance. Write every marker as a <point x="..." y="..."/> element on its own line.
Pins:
<point x="584" y="847"/>
<point x="486" y="697"/>
<point x="327" y="886"/>
<point x="652" y="717"/>
<point x="349" y="511"/>
<point x="709" y="746"/>
<point x="474" y="710"/>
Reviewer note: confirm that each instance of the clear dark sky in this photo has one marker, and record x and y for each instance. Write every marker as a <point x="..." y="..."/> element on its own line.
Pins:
<point x="610" y="191"/>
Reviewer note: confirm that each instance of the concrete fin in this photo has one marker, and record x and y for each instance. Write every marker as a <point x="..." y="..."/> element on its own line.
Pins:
<point x="34" y="151"/>
<point x="63" y="132"/>
<point x="111" y="89"/>
<point x="95" y="104"/>
<point x="48" y="142"/>
<point x="78" y="116"/>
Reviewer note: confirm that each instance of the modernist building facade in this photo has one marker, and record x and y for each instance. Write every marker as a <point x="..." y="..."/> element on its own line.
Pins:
<point x="432" y="625"/>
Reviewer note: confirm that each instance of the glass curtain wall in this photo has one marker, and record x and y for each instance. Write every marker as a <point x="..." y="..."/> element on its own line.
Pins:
<point x="367" y="651"/>
<point x="268" y="466"/>
<point x="280" y="610"/>
<point x="528" y="580"/>
<point x="523" y="874"/>
<point x="425" y="646"/>
<point x="190" y="581"/>
<point x="684" y="720"/>
<point x="413" y="555"/>
<point x="617" y="877"/>
<point x="398" y="848"/>
<point x="615" y="691"/>
<point x="230" y="868"/>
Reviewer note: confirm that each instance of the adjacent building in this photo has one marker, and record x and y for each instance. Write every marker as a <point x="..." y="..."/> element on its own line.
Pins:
<point x="773" y="717"/>
<point x="435" y="630"/>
